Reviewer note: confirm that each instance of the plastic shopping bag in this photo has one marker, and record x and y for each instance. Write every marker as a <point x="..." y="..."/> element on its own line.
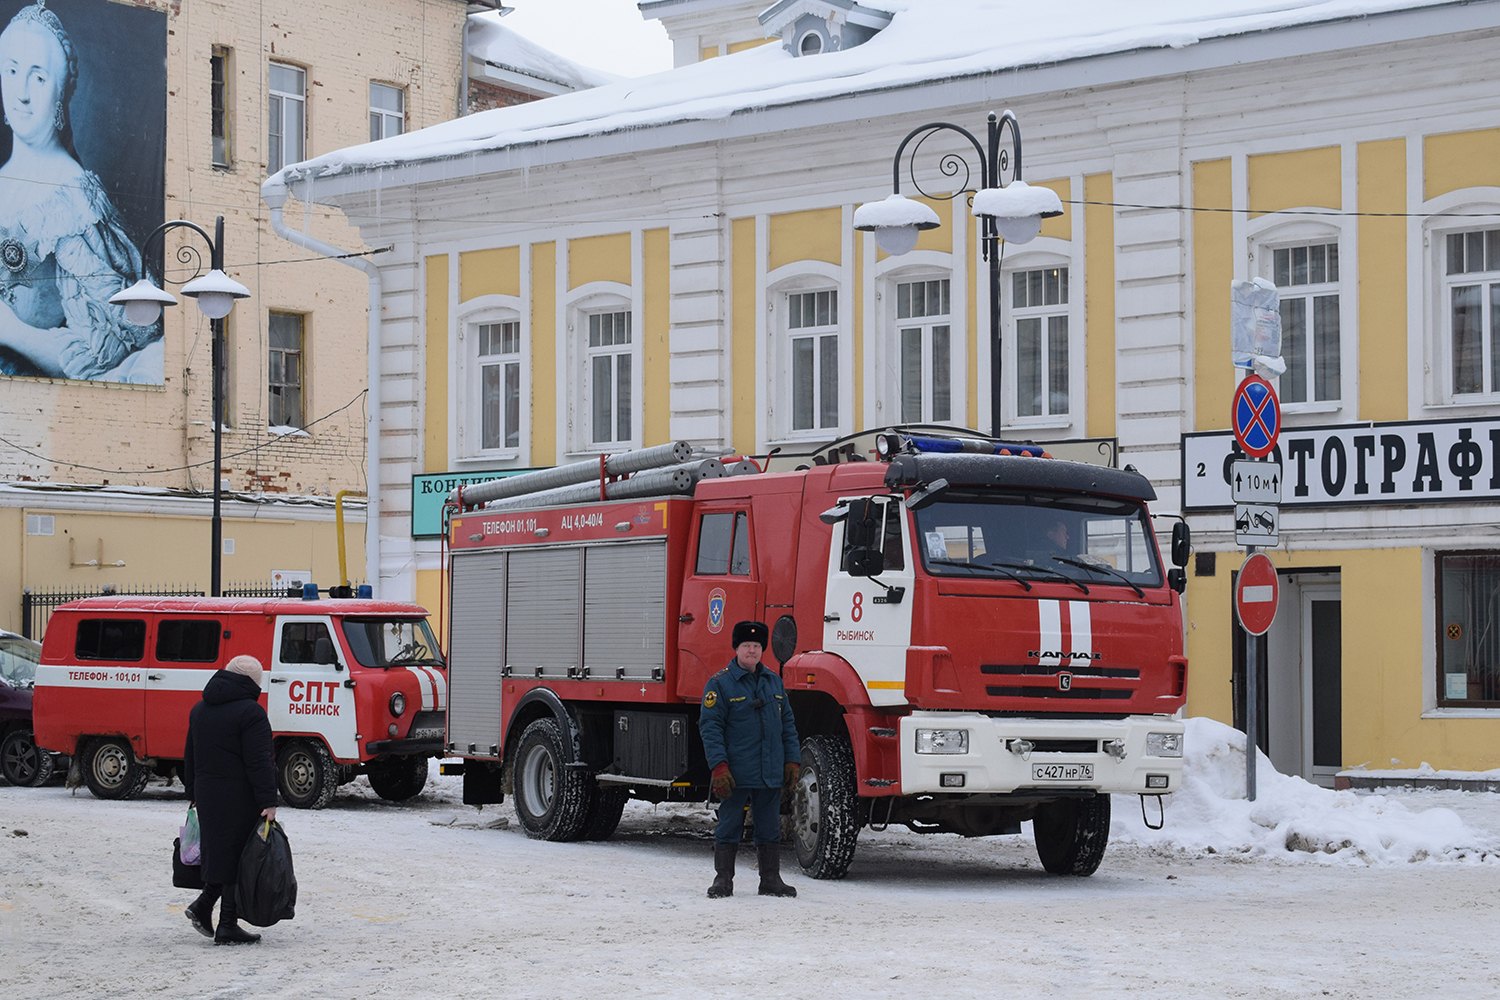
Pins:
<point x="184" y="876"/>
<point x="191" y="838"/>
<point x="267" y="887"/>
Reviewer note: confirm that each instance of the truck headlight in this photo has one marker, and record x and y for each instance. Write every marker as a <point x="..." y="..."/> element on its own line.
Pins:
<point x="398" y="704"/>
<point x="942" y="741"/>
<point x="1164" y="744"/>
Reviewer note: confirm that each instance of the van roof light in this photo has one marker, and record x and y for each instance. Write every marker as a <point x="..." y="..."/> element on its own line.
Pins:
<point x="309" y="591"/>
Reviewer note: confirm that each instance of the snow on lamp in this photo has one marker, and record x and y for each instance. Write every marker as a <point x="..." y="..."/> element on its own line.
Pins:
<point x="895" y="221"/>
<point x="1018" y="209"/>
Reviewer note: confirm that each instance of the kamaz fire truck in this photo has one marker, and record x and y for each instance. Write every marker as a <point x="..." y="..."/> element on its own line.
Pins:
<point x="953" y="666"/>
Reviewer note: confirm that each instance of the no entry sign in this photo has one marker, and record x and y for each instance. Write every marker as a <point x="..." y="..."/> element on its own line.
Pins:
<point x="1256" y="594"/>
<point x="1256" y="416"/>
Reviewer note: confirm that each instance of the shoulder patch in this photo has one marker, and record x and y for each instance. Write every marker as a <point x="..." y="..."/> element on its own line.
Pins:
<point x="710" y="698"/>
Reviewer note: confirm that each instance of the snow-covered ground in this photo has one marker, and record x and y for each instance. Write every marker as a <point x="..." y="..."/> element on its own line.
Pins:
<point x="1305" y="892"/>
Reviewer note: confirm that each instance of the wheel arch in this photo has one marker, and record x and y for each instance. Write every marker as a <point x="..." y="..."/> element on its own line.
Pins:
<point x="538" y="703"/>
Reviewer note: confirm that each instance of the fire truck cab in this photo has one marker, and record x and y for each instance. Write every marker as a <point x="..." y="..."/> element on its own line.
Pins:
<point x="968" y="641"/>
<point x="352" y="687"/>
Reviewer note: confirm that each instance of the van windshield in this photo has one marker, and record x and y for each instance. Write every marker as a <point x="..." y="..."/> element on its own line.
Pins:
<point x="1095" y="541"/>
<point x="392" y="642"/>
<point x="18" y="659"/>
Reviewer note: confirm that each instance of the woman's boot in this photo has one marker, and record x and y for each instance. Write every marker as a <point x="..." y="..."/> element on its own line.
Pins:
<point x="723" y="870"/>
<point x="200" y="912"/>
<point x="768" y="856"/>
<point x="230" y="931"/>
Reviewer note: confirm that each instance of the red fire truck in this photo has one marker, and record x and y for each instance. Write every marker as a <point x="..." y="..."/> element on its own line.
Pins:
<point x="971" y="635"/>
<point x="353" y="686"/>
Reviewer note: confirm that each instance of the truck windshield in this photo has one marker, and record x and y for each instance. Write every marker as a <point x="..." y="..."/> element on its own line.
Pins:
<point x="1093" y="541"/>
<point x="392" y="642"/>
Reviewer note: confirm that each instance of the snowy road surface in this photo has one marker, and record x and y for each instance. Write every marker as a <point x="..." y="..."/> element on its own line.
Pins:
<point x="436" y="899"/>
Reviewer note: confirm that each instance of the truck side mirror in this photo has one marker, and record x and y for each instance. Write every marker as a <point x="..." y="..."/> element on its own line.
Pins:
<point x="866" y="562"/>
<point x="1177" y="579"/>
<point x="927" y="495"/>
<point x="1182" y="543"/>
<point x="862" y="525"/>
<point x="323" y="652"/>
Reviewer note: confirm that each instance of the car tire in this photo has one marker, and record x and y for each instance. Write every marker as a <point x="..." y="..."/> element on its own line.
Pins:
<point x="306" y="775"/>
<point x="397" y="779"/>
<point x="22" y="762"/>
<point x="1071" y="834"/>
<point x="110" y="769"/>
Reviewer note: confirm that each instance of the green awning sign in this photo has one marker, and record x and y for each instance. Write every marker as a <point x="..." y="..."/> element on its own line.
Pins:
<point x="430" y="491"/>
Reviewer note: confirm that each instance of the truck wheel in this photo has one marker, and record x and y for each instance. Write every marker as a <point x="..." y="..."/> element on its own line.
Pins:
<point x="397" y="779"/>
<point x="1071" y="834"/>
<point x="111" y="770"/>
<point x="606" y="805"/>
<point x="22" y="762"/>
<point x="551" y="798"/>
<point x="825" y="808"/>
<point x="306" y="775"/>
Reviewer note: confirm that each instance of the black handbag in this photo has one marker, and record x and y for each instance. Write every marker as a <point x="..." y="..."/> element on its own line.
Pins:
<point x="267" y="885"/>
<point x="184" y="876"/>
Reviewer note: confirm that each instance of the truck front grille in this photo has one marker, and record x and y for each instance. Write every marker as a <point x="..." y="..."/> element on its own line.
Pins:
<point x="1086" y="682"/>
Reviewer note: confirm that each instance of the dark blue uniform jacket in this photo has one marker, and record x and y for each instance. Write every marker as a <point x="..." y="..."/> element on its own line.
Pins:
<point x="747" y="721"/>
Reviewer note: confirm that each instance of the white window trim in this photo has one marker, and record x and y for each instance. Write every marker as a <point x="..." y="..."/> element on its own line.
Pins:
<point x="587" y="299"/>
<point x="883" y="356"/>
<point x="1438" y="368"/>
<point x="464" y="379"/>
<point x="1042" y="253"/>
<point x="287" y="96"/>
<point x="1265" y="236"/>
<point x="804" y="276"/>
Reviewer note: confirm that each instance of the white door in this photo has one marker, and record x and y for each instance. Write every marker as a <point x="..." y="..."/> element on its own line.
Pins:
<point x="867" y="620"/>
<point x="1304" y="678"/>
<point x="309" y="687"/>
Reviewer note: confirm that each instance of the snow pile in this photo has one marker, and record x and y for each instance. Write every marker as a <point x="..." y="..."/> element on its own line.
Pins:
<point x="1290" y="817"/>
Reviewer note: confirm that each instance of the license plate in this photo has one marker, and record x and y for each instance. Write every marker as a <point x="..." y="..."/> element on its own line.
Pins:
<point x="1062" y="772"/>
<point x="426" y="734"/>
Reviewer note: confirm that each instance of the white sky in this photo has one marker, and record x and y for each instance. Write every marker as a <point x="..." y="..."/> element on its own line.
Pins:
<point x="603" y="34"/>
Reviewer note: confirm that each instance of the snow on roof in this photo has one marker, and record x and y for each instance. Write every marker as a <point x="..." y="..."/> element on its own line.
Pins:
<point x="494" y="43"/>
<point x="926" y="41"/>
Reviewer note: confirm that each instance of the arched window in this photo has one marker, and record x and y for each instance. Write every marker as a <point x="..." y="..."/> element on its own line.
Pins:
<point x="1464" y="289"/>
<point x="808" y="398"/>
<point x="493" y="366"/>
<point x="605" y="346"/>
<point x="1305" y="261"/>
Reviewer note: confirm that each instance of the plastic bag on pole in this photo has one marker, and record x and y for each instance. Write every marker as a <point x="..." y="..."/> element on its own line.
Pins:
<point x="267" y="886"/>
<point x="1255" y="326"/>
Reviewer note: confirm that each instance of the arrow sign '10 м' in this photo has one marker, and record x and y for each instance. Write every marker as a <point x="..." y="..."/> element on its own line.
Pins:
<point x="1256" y="416"/>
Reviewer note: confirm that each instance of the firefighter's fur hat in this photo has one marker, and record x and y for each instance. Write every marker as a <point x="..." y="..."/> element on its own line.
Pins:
<point x="750" y="632"/>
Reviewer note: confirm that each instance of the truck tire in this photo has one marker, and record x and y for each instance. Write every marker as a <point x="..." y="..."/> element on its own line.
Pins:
<point x="1071" y="834"/>
<point x="22" y="762"/>
<point x="306" y="775"/>
<point x="606" y="805"/>
<point x="552" y="798"/>
<point x="111" y="770"/>
<point x="397" y="779"/>
<point x="825" y="808"/>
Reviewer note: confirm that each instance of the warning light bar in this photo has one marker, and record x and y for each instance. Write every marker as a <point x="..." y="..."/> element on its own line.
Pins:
<point x="889" y="445"/>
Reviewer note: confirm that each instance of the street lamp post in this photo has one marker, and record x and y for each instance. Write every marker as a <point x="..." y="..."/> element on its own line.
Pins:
<point x="1010" y="209"/>
<point x="216" y="293"/>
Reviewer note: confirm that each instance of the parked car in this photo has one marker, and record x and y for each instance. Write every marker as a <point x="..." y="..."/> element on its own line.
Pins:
<point x="22" y="762"/>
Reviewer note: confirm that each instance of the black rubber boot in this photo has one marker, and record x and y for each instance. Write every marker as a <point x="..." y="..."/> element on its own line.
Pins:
<point x="768" y="857"/>
<point x="200" y="912"/>
<point x="723" y="870"/>
<point x="230" y="931"/>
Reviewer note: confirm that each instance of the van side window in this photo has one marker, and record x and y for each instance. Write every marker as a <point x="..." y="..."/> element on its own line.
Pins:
<point x="300" y="641"/>
<point x="187" y="641"/>
<point x="724" y="545"/>
<point x="111" y="639"/>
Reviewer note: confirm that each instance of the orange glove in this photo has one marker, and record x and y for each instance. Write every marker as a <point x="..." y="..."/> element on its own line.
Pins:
<point x="790" y="773"/>
<point x="722" y="781"/>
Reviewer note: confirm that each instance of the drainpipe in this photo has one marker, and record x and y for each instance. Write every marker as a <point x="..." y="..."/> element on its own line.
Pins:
<point x="463" y="69"/>
<point x="274" y="194"/>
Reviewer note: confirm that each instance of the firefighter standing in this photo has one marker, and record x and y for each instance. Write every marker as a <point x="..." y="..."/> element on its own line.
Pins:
<point x="750" y="740"/>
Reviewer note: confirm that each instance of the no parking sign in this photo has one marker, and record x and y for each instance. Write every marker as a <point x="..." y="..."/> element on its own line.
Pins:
<point x="1256" y="416"/>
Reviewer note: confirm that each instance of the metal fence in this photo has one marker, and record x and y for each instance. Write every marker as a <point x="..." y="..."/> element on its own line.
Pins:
<point x="37" y="602"/>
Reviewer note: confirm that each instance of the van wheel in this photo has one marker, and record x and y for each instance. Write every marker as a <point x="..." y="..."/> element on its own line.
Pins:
<point x="606" y="806"/>
<point x="22" y="762"/>
<point x="111" y="770"/>
<point x="306" y="775"/>
<point x="825" y="808"/>
<point x="397" y="779"/>
<point x="551" y="798"/>
<point x="1071" y="834"/>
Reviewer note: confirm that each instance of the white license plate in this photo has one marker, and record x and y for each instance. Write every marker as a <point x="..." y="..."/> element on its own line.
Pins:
<point x="1062" y="772"/>
<point x="426" y="734"/>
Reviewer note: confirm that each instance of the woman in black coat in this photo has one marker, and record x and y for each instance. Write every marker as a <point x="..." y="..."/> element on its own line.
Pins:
<point x="230" y="773"/>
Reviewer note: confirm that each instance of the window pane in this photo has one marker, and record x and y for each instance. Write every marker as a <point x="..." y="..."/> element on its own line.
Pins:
<point x="1492" y="250"/>
<point x="828" y="381"/>
<point x="602" y="424"/>
<point x="1299" y="265"/>
<point x="1326" y="347"/>
<point x="510" y="338"/>
<point x="911" y="375"/>
<point x="1333" y="262"/>
<point x="622" y="396"/>
<point x="903" y="301"/>
<point x="1057" y="364"/>
<point x="1034" y="288"/>
<point x="489" y="406"/>
<point x="1028" y="367"/>
<point x="187" y="641"/>
<point x="287" y="79"/>
<point x="111" y="639"/>
<point x="294" y="131"/>
<point x="1281" y="268"/>
<point x="1317" y="266"/>
<point x="942" y="393"/>
<point x="715" y="533"/>
<point x="739" y="560"/>
<point x="1455" y="253"/>
<point x="890" y="543"/>
<point x="1294" y="350"/>
<point x="1468" y="630"/>
<point x="512" y="406"/>
<point x="1468" y="373"/>
<point x="1018" y="289"/>
<point x="1049" y="283"/>
<point x="1474" y="252"/>
<point x="1494" y="336"/>
<point x="387" y="98"/>
<point x="802" y="383"/>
